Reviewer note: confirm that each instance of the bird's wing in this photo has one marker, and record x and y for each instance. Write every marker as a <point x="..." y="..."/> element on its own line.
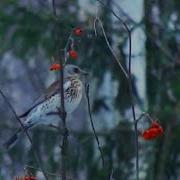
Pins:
<point x="51" y="90"/>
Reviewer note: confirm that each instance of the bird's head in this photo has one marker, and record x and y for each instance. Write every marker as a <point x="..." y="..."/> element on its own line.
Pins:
<point x="71" y="70"/>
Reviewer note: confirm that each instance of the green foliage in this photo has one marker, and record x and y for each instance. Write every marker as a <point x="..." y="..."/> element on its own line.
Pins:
<point x="24" y="30"/>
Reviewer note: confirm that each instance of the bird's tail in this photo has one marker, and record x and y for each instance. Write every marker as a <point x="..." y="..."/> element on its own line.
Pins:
<point x="13" y="139"/>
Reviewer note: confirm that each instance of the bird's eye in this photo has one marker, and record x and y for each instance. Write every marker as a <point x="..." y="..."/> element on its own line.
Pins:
<point x="76" y="70"/>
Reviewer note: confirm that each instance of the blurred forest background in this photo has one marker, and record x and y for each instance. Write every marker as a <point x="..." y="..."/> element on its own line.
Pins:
<point x="27" y="30"/>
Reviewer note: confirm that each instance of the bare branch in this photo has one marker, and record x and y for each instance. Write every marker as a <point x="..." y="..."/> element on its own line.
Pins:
<point x="54" y="8"/>
<point x="92" y="124"/>
<point x="157" y="42"/>
<point x="27" y="134"/>
<point x="49" y="173"/>
<point x="111" y="49"/>
<point x="129" y="79"/>
<point x="62" y="113"/>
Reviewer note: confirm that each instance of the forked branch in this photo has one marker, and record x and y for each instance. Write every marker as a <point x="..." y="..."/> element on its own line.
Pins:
<point x="129" y="79"/>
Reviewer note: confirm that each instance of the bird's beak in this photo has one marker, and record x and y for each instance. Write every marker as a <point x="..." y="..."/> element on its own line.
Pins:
<point x="84" y="73"/>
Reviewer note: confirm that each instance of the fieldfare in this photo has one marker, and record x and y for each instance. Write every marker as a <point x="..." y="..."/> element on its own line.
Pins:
<point x="46" y="108"/>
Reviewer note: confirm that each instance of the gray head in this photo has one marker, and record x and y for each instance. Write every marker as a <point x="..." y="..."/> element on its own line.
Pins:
<point x="73" y="70"/>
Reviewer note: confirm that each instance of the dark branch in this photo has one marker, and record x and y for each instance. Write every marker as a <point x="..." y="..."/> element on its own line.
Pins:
<point x="54" y="8"/>
<point x="62" y="112"/>
<point x="49" y="173"/>
<point x="27" y="134"/>
<point x="92" y="124"/>
<point x="129" y="79"/>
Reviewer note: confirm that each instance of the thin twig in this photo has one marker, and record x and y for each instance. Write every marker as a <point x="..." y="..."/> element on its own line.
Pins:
<point x="111" y="49"/>
<point x="129" y="79"/>
<point x="141" y="116"/>
<point x="147" y="116"/>
<point x="94" y="25"/>
<point x="76" y="132"/>
<point x="92" y="124"/>
<point x="54" y="8"/>
<point x="27" y="134"/>
<point x="111" y="175"/>
<point x="97" y="19"/>
<point x="49" y="173"/>
<point x="157" y="42"/>
<point x="62" y="112"/>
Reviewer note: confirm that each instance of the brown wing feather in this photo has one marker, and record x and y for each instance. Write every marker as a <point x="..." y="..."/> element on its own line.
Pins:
<point x="51" y="90"/>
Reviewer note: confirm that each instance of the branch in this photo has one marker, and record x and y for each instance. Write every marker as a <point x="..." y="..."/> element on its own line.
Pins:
<point x="98" y="133"/>
<point x="129" y="79"/>
<point x="27" y="134"/>
<point x="157" y="43"/>
<point x="49" y="173"/>
<point x="110" y="48"/>
<point x="92" y="124"/>
<point x="54" y="8"/>
<point x="62" y="113"/>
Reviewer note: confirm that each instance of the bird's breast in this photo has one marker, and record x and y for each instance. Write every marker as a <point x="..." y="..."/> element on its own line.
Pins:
<point x="72" y="97"/>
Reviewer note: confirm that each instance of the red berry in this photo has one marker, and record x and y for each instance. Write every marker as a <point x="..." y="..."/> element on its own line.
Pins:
<point x="73" y="54"/>
<point x="155" y="124"/>
<point x="32" y="178"/>
<point x="153" y="132"/>
<point x="78" y="31"/>
<point x="55" y="67"/>
<point x="26" y="178"/>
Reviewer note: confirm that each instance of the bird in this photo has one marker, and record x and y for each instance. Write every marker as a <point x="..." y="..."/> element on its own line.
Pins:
<point x="45" y="110"/>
